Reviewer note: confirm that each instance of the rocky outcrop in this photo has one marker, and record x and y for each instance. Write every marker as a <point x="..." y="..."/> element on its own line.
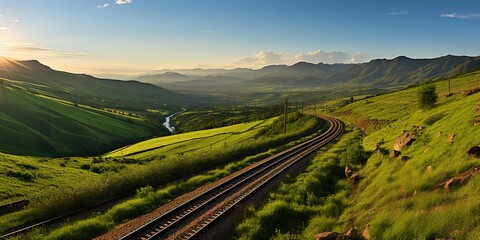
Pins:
<point x="402" y="141"/>
<point x="447" y="95"/>
<point x="450" y="138"/>
<point x="460" y="179"/>
<point x="406" y="138"/>
<point x="366" y="232"/>
<point x="394" y="153"/>
<point x="348" y="171"/>
<point x="474" y="152"/>
<point x="471" y="91"/>
<point x="355" y="177"/>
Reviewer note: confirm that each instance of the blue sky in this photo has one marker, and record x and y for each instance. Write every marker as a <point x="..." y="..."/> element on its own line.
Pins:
<point x="105" y="37"/>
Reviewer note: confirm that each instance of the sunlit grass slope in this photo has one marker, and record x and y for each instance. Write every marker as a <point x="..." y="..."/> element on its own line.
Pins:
<point x="33" y="124"/>
<point x="396" y="198"/>
<point x="186" y="143"/>
<point x="409" y="190"/>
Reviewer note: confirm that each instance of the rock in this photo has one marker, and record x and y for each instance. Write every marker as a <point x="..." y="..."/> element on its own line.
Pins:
<point x="327" y="236"/>
<point x="355" y="177"/>
<point x="471" y="91"/>
<point x="366" y="232"/>
<point x="348" y="171"/>
<point x="351" y="234"/>
<point x="460" y="179"/>
<point x="405" y="158"/>
<point x="451" y="183"/>
<point x="450" y="138"/>
<point x="394" y="153"/>
<point x="402" y="141"/>
<point x="474" y="152"/>
<point x="447" y="95"/>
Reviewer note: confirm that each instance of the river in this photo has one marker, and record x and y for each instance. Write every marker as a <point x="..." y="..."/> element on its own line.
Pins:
<point x="167" y="124"/>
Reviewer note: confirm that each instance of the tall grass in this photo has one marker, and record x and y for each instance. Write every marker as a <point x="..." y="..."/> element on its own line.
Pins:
<point x="316" y="196"/>
<point x="58" y="201"/>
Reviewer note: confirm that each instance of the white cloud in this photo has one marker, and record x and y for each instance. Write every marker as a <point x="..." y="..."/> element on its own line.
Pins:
<point x="263" y="58"/>
<point x="30" y="48"/>
<point x="103" y="5"/>
<point x="461" y="16"/>
<point x="398" y="13"/>
<point x="209" y="31"/>
<point x="323" y="56"/>
<point x="123" y="1"/>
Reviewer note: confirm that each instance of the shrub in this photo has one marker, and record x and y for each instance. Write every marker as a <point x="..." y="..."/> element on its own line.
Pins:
<point x="86" y="229"/>
<point x="432" y="119"/>
<point x="427" y="96"/>
<point x="21" y="175"/>
<point x="85" y="166"/>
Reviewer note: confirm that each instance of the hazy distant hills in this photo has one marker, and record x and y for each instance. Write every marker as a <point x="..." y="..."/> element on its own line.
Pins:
<point x="52" y="113"/>
<point x="378" y="73"/>
<point x="85" y="89"/>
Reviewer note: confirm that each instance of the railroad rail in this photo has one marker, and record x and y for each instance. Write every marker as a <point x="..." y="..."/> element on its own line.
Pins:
<point x="13" y="206"/>
<point x="7" y="208"/>
<point x="192" y="217"/>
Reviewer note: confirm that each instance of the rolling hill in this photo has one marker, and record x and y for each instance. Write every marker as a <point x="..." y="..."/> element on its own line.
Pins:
<point x="85" y="89"/>
<point x="427" y="189"/>
<point x="45" y="112"/>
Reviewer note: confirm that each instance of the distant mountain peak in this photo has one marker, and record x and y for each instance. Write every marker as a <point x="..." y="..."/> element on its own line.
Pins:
<point x="10" y="64"/>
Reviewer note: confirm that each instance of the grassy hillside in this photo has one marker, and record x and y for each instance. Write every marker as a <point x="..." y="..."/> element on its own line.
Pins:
<point x="403" y="197"/>
<point x="34" y="124"/>
<point x="191" y="143"/>
<point x="208" y="117"/>
<point x="63" y="188"/>
<point x="85" y="89"/>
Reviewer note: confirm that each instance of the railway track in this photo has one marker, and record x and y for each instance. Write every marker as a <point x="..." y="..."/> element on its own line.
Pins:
<point x="7" y="208"/>
<point x="190" y="218"/>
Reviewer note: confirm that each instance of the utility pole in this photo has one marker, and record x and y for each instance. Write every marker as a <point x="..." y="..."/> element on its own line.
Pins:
<point x="449" y="85"/>
<point x="285" y="116"/>
<point x="302" y="108"/>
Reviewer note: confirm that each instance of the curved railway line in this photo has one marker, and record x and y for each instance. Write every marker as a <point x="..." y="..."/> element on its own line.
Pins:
<point x="190" y="218"/>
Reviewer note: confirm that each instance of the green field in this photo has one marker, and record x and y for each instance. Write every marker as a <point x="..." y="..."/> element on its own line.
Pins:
<point x="61" y="128"/>
<point x="395" y="198"/>
<point x="189" y="143"/>
<point x="63" y="185"/>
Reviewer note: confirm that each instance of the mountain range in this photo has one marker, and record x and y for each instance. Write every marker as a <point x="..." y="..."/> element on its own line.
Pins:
<point x="379" y="73"/>
<point x="86" y="89"/>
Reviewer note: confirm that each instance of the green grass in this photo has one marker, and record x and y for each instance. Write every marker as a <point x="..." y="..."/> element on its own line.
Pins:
<point x="64" y="189"/>
<point x="398" y="199"/>
<point x="212" y="138"/>
<point x="61" y="128"/>
<point x="147" y="199"/>
<point x="310" y="202"/>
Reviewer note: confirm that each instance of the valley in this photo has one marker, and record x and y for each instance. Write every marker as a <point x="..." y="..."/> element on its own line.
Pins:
<point x="239" y="120"/>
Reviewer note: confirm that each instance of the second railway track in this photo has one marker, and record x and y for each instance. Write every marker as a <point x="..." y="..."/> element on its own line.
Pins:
<point x="188" y="219"/>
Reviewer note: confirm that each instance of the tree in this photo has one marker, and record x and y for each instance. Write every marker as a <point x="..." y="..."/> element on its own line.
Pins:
<point x="427" y="96"/>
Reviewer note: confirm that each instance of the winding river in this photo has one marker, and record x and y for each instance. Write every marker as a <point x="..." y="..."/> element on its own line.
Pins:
<point x="167" y="123"/>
